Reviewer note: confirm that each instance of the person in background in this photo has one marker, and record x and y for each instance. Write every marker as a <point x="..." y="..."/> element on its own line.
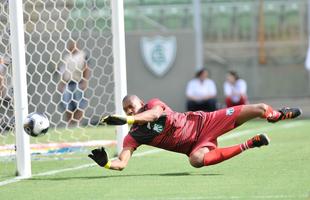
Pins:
<point x="3" y="79"/>
<point x="74" y="78"/>
<point x="201" y="92"/>
<point x="235" y="90"/>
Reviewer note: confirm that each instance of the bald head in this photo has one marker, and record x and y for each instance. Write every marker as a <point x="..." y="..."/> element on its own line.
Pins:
<point x="130" y="97"/>
<point x="132" y="104"/>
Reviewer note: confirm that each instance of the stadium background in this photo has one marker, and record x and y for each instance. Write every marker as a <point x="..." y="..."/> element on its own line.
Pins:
<point x="230" y="33"/>
<point x="231" y="41"/>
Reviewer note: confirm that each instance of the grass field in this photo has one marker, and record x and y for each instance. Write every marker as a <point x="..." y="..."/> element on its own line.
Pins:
<point x="279" y="171"/>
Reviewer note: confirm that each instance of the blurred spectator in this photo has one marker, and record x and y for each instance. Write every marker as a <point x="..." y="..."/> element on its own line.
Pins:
<point x="6" y="104"/>
<point x="74" y="79"/>
<point x="3" y="79"/>
<point x="235" y="90"/>
<point x="201" y="93"/>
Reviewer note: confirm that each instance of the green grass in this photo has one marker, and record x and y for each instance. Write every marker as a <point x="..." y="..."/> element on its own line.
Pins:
<point x="67" y="135"/>
<point x="279" y="171"/>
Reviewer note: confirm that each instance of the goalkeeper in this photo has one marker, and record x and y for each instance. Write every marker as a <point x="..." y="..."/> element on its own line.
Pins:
<point x="192" y="133"/>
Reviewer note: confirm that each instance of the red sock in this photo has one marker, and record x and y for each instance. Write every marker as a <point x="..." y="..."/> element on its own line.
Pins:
<point x="220" y="154"/>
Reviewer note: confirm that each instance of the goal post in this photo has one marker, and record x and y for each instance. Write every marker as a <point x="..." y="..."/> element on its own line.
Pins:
<point x="38" y="43"/>
<point x="119" y="53"/>
<point x="23" y="161"/>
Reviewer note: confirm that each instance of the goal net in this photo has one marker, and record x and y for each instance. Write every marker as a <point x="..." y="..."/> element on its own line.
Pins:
<point x="70" y="78"/>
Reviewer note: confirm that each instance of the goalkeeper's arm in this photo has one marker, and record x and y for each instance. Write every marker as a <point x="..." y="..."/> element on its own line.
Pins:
<point x="121" y="162"/>
<point x="101" y="158"/>
<point x="148" y="115"/>
<point x="140" y="118"/>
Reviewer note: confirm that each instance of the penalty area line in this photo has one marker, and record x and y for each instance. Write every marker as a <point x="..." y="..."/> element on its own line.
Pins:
<point x="53" y="172"/>
<point x="223" y="138"/>
<point x="92" y="164"/>
<point x="275" y="196"/>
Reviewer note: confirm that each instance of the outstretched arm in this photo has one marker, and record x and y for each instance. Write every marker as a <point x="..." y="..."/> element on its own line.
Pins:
<point x="121" y="162"/>
<point x="141" y="118"/>
<point x="101" y="158"/>
<point x="148" y="115"/>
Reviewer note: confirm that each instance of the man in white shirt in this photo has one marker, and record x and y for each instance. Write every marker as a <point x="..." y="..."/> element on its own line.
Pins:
<point x="201" y="93"/>
<point x="235" y="90"/>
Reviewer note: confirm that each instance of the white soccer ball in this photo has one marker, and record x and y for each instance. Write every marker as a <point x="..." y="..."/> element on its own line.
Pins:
<point x="36" y="124"/>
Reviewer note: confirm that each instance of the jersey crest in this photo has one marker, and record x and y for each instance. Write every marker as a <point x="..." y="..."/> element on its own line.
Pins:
<point x="145" y="133"/>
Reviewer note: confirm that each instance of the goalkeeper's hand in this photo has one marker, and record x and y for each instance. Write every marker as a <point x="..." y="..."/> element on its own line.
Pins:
<point x="117" y="120"/>
<point x="100" y="156"/>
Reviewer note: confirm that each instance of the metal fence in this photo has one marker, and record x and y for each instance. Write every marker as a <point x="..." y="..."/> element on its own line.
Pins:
<point x="222" y="20"/>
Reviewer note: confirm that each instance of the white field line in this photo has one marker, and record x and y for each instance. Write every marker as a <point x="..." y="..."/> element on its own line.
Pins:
<point x="223" y="138"/>
<point x="6" y="182"/>
<point x="52" y="172"/>
<point x="259" y="130"/>
<point x="280" y="196"/>
<point x="92" y="164"/>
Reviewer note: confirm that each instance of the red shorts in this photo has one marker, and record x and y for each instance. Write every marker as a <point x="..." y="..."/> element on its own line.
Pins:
<point x="216" y="124"/>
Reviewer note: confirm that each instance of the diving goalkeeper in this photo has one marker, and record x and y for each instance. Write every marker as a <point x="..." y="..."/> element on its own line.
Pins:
<point x="192" y="133"/>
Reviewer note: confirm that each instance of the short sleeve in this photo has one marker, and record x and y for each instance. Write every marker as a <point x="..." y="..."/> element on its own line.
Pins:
<point x="130" y="142"/>
<point x="212" y="88"/>
<point x="242" y="86"/>
<point x="190" y="88"/>
<point x="227" y="89"/>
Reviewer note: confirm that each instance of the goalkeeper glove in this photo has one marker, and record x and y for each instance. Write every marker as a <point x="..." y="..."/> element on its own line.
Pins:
<point x="100" y="156"/>
<point x="117" y="120"/>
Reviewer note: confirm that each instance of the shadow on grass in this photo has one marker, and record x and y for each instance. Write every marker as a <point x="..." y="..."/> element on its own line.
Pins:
<point x="120" y="176"/>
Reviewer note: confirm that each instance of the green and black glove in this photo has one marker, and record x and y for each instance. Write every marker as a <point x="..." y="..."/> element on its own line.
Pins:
<point x="117" y="120"/>
<point x="100" y="156"/>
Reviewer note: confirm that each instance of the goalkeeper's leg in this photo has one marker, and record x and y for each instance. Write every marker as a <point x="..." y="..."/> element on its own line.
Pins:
<point x="265" y="111"/>
<point x="206" y="157"/>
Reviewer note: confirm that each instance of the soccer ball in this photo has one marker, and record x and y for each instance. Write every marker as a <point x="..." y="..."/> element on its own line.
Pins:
<point x="36" y="124"/>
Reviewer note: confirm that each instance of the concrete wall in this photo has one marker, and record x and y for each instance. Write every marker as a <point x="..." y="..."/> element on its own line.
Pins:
<point x="171" y="87"/>
<point x="267" y="81"/>
<point x="281" y="77"/>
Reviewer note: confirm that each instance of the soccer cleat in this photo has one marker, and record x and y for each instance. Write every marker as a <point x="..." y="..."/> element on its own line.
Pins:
<point x="284" y="113"/>
<point x="260" y="140"/>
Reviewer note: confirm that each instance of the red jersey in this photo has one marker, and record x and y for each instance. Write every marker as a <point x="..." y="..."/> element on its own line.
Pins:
<point x="173" y="131"/>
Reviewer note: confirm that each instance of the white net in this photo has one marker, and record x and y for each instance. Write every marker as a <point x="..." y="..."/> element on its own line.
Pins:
<point x="69" y="74"/>
<point x="6" y="100"/>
